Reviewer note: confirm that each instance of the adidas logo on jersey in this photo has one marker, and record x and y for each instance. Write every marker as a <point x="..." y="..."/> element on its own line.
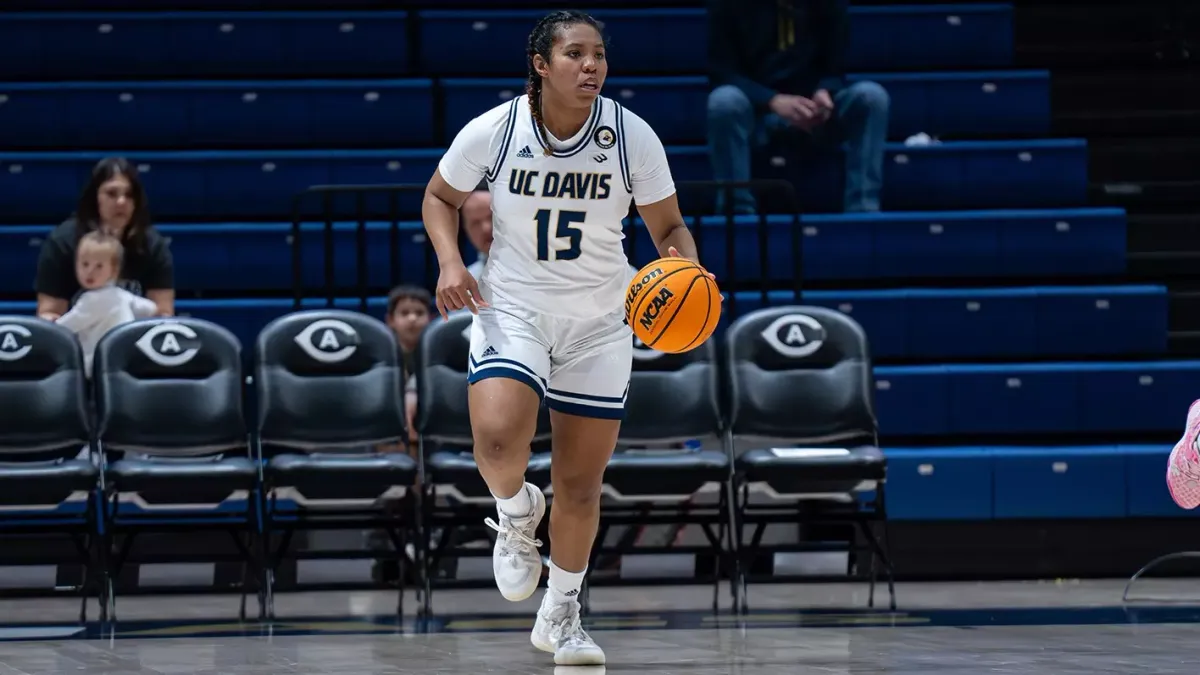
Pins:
<point x="490" y="351"/>
<point x="525" y="153"/>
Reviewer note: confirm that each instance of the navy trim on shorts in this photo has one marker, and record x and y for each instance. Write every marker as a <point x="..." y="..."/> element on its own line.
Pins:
<point x="554" y="401"/>
<point x="513" y="370"/>
<point x="580" y="410"/>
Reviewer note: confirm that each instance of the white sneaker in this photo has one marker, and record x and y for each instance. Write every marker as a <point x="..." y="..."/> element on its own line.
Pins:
<point x="559" y="632"/>
<point x="516" y="561"/>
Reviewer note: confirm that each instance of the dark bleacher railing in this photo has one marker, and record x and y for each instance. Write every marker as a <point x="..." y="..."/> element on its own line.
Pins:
<point x="722" y="240"/>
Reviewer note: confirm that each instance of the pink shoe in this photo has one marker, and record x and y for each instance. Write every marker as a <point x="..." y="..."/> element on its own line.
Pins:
<point x="1183" y="468"/>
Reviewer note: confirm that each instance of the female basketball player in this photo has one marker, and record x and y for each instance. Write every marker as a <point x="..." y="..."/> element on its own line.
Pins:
<point x="562" y="163"/>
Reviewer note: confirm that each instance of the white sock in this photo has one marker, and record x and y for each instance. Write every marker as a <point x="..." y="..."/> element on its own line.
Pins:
<point x="564" y="585"/>
<point x="516" y="506"/>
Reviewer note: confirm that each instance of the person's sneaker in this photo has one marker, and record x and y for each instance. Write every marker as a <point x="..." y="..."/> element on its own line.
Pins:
<point x="516" y="561"/>
<point x="558" y="631"/>
<point x="1183" y="468"/>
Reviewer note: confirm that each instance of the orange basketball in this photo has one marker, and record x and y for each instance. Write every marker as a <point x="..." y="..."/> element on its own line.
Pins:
<point x="672" y="305"/>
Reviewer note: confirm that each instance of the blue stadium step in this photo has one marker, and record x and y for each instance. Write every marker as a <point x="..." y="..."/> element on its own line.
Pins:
<point x="64" y="46"/>
<point x="951" y="399"/>
<point x="1012" y="323"/>
<point x="230" y="185"/>
<point x="257" y="257"/>
<point x="982" y="483"/>
<point x="894" y="38"/>
<point x="967" y="104"/>
<point x="93" y="45"/>
<point x="1045" y="398"/>
<point x="952" y="175"/>
<point x="913" y="245"/>
<point x="218" y="113"/>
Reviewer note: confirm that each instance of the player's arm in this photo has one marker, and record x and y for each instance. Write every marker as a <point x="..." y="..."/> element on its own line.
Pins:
<point x="654" y="191"/>
<point x="462" y="167"/>
<point x="440" y="213"/>
<point x="670" y="234"/>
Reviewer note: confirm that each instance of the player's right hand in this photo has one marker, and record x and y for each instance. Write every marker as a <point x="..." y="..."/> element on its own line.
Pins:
<point x="456" y="289"/>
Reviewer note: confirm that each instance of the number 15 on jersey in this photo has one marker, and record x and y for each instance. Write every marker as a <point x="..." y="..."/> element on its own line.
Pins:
<point x="566" y="226"/>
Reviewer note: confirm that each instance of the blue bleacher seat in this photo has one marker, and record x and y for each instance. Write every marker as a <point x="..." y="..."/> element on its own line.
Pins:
<point x="1013" y="323"/>
<point x="262" y="183"/>
<point x="201" y="184"/>
<point x="979" y="483"/>
<point x="966" y="104"/>
<point x="1103" y="320"/>
<point x="946" y="176"/>
<point x="929" y="36"/>
<point x="974" y="174"/>
<point x="672" y="106"/>
<point x="68" y="46"/>
<point x="900" y="37"/>
<point x="1043" y="398"/>
<point x="833" y="247"/>
<point x="319" y="113"/>
<point x="881" y="37"/>
<point x="963" y="104"/>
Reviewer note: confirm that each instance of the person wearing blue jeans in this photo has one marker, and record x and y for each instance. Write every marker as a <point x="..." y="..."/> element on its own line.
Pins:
<point x="776" y="67"/>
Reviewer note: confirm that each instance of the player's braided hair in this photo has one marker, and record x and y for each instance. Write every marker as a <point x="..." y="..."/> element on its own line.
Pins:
<point x="541" y="40"/>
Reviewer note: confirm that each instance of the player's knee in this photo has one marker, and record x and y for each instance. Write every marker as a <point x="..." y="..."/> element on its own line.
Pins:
<point x="496" y="439"/>
<point x="578" y="492"/>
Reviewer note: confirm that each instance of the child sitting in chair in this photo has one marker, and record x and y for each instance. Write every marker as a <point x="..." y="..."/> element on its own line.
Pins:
<point x="103" y="305"/>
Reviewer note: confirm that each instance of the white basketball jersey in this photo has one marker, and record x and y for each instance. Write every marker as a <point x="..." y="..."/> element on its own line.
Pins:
<point x="557" y="211"/>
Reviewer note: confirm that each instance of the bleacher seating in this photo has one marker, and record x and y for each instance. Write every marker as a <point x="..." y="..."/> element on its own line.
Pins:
<point x="1010" y="336"/>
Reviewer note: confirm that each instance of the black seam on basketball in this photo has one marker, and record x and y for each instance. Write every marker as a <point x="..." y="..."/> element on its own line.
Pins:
<point x="708" y="286"/>
<point x="647" y="294"/>
<point x="637" y="309"/>
<point x="678" y="306"/>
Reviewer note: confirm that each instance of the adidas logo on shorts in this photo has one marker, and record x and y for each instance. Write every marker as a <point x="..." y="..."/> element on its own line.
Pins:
<point x="525" y="153"/>
<point x="490" y="351"/>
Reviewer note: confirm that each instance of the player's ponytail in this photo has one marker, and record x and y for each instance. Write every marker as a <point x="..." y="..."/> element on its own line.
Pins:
<point x="541" y="43"/>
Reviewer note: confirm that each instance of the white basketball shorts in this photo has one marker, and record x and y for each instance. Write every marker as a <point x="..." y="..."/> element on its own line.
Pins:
<point x="576" y="366"/>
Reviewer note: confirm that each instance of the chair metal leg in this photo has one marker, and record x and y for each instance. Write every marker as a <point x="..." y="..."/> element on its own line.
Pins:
<point x="245" y="583"/>
<point x="737" y="577"/>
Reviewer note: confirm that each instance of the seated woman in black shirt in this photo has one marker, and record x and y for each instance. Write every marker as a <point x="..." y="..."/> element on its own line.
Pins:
<point x="112" y="201"/>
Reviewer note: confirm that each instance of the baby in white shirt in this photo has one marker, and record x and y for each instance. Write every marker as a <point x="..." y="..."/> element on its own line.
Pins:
<point x="102" y="306"/>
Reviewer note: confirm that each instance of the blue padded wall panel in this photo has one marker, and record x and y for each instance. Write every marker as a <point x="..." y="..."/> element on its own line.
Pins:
<point x="930" y="36"/>
<point x="884" y="315"/>
<point x="913" y="400"/>
<point x="1079" y="241"/>
<point x="965" y="104"/>
<point x="1145" y="479"/>
<point x="924" y="245"/>
<point x="1137" y="397"/>
<point x="1130" y="320"/>
<point x="1086" y="482"/>
<point x="971" y="323"/>
<point x="1013" y="399"/>
<point x="939" y="483"/>
<point x="93" y="45"/>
